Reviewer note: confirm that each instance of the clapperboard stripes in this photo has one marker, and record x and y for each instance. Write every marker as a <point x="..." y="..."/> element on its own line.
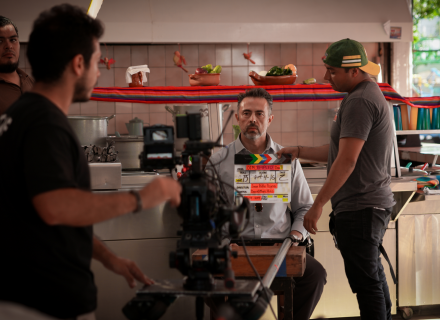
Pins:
<point x="261" y="159"/>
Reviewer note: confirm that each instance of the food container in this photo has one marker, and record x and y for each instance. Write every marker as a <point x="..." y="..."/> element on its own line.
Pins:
<point x="183" y="109"/>
<point x="435" y="120"/>
<point x="423" y="119"/>
<point x="397" y="117"/>
<point x="272" y="80"/>
<point x="136" y="80"/>
<point x="129" y="148"/>
<point x="205" y="119"/>
<point x="204" y="79"/>
<point x="135" y="76"/>
<point x="432" y="170"/>
<point x="90" y="129"/>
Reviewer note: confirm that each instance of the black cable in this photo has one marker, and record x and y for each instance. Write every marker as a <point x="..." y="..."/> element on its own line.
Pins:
<point x="224" y="127"/>
<point x="258" y="277"/>
<point x="226" y="156"/>
<point x="215" y="171"/>
<point x="233" y="188"/>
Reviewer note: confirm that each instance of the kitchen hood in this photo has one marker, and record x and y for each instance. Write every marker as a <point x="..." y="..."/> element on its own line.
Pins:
<point x="233" y="21"/>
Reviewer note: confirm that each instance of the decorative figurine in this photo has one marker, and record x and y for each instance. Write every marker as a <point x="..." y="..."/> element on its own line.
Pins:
<point x="108" y="62"/>
<point x="248" y="55"/>
<point x="179" y="60"/>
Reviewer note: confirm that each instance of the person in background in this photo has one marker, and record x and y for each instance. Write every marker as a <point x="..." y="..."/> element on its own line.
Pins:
<point x="47" y="209"/>
<point x="13" y="81"/>
<point x="273" y="220"/>
<point x="358" y="181"/>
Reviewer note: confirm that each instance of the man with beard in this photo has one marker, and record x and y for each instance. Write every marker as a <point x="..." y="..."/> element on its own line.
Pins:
<point x="13" y="81"/>
<point x="358" y="180"/>
<point x="47" y="209"/>
<point x="272" y="220"/>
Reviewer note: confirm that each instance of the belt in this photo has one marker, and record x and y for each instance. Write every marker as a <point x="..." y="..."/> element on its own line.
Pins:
<point x="384" y="254"/>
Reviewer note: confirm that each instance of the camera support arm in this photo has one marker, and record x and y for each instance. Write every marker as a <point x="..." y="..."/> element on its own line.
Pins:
<point x="276" y="262"/>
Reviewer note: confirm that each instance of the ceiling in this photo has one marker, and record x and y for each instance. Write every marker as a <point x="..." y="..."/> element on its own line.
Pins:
<point x="230" y="21"/>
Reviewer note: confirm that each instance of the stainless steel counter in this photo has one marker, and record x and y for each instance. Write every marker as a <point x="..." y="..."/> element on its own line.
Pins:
<point x="397" y="185"/>
<point x="148" y="236"/>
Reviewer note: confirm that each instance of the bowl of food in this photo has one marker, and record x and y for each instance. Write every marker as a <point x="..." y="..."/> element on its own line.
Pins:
<point x="205" y="76"/>
<point x="275" y="76"/>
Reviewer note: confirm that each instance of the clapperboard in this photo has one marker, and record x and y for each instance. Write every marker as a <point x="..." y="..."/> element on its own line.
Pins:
<point x="263" y="178"/>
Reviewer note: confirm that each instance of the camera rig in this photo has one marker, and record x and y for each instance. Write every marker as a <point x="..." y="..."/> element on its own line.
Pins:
<point x="205" y="211"/>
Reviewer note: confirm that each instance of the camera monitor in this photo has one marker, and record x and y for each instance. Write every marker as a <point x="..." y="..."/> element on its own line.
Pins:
<point x="158" y="148"/>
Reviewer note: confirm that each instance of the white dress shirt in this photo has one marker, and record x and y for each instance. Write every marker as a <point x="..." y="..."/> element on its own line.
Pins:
<point x="274" y="220"/>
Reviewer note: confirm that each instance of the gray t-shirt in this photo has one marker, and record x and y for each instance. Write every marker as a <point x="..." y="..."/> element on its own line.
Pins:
<point x="364" y="114"/>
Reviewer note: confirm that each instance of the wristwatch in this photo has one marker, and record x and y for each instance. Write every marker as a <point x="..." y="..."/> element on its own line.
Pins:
<point x="138" y="200"/>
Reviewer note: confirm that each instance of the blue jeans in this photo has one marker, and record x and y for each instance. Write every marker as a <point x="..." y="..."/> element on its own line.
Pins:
<point x="359" y="235"/>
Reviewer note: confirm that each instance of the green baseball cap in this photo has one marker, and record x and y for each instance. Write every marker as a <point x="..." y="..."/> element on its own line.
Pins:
<point x="349" y="53"/>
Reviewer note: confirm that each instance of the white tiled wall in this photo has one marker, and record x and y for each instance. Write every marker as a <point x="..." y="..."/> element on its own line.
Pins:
<point x="303" y="123"/>
<point x="298" y="123"/>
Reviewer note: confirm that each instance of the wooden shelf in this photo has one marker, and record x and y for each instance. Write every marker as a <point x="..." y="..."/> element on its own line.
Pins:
<point x="406" y="132"/>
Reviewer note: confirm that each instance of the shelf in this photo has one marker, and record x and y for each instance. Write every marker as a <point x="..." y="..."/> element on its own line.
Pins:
<point x="406" y="132"/>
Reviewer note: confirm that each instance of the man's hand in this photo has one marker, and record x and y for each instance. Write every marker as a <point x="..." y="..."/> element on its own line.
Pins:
<point x="298" y="234"/>
<point x="128" y="269"/>
<point x="124" y="267"/>
<point x="311" y="219"/>
<point x="289" y="150"/>
<point x="161" y="189"/>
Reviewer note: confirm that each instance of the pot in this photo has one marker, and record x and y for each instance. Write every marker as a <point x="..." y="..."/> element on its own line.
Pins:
<point x="135" y="127"/>
<point x="204" y="111"/>
<point x="129" y="148"/>
<point x="90" y="129"/>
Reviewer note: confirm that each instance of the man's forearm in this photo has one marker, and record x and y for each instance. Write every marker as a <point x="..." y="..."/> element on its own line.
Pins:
<point x="75" y="207"/>
<point x="319" y="154"/>
<point x="101" y="252"/>
<point x="338" y="175"/>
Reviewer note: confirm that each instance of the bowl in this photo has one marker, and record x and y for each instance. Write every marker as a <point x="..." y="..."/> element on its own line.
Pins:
<point x="272" y="80"/>
<point x="204" y="79"/>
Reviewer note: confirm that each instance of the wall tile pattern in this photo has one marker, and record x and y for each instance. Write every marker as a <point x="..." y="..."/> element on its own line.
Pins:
<point x="303" y="123"/>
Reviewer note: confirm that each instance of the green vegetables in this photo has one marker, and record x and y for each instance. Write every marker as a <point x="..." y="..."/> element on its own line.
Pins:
<point x="217" y="69"/>
<point x="277" y="71"/>
<point x="310" y="81"/>
<point x="209" y="69"/>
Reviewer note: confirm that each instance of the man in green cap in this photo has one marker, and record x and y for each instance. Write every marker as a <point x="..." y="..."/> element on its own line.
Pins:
<point x="358" y="180"/>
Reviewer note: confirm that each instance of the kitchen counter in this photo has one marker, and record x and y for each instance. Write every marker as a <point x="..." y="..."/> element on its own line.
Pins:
<point x="147" y="238"/>
<point x="428" y="152"/>
<point x="136" y="180"/>
<point x="397" y="184"/>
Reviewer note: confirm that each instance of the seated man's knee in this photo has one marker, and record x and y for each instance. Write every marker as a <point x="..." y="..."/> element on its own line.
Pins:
<point x="315" y="271"/>
<point x="321" y="274"/>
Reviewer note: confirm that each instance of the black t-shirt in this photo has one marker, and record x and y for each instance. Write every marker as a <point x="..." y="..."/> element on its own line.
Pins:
<point x="43" y="267"/>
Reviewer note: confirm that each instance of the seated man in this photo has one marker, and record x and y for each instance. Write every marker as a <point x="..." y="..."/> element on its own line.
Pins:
<point x="254" y="116"/>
